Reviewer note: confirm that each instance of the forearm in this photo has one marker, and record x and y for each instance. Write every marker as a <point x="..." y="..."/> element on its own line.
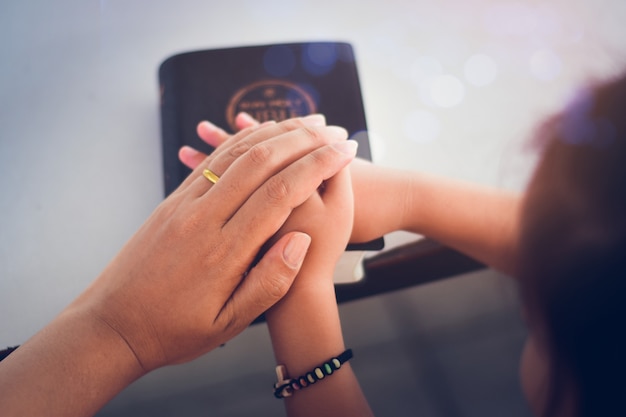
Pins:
<point x="72" y="367"/>
<point x="306" y="332"/>
<point x="480" y="221"/>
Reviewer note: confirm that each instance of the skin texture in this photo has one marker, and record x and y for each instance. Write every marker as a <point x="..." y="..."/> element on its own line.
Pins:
<point x="305" y="326"/>
<point x="183" y="284"/>
<point x="480" y="221"/>
<point x="565" y="244"/>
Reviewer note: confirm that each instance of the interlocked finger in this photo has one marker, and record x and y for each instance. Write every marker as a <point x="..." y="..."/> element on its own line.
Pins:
<point x="263" y="213"/>
<point x="254" y="142"/>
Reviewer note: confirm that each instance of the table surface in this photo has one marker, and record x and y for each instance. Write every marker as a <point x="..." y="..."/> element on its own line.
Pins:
<point x="450" y="87"/>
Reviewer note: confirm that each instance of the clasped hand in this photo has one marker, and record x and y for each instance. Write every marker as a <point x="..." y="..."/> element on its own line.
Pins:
<point x="183" y="285"/>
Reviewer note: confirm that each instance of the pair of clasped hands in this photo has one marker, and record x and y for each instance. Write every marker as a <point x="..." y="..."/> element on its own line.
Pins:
<point x="211" y="258"/>
<point x="184" y="284"/>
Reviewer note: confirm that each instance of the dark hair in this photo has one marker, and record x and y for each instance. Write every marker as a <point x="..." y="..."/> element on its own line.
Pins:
<point x="572" y="268"/>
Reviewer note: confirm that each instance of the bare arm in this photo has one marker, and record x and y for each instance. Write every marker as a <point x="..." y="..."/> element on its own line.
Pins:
<point x="182" y="285"/>
<point x="304" y="326"/>
<point x="72" y="367"/>
<point x="480" y="221"/>
<point x="306" y="332"/>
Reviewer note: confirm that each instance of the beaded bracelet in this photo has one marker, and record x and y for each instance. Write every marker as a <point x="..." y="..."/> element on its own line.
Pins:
<point x="285" y="387"/>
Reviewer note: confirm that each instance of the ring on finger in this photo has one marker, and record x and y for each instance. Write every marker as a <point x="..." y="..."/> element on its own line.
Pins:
<point x="210" y="175"/>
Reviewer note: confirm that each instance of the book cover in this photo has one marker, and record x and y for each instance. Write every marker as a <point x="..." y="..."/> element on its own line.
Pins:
<point x="270" y="82"/>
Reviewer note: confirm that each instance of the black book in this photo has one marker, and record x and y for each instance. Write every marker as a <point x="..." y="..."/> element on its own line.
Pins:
<point x="270" y="82"/>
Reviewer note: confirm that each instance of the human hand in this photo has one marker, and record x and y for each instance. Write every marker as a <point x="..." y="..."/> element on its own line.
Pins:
<point x="182" y="285"/>
<point x="215" y="136"/>
<point x="375" y="214"/>
<point x="327" y="217"/>
<point x="304" y="325"/>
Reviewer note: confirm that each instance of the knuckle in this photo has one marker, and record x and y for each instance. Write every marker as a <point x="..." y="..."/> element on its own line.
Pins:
<point x="275" y="286"/>
<point x="238" y="149"/>
<point x="232" y="323"/>
<point x="260" y="153"/>
<point x="291" y="124"/>
<point x="322" y="157"/>
<point x="312" y="134"/>
<point x="277" y="189"/>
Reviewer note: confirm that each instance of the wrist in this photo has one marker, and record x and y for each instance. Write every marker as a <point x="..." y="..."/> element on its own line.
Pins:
<point x="98" y="339"/>
<point x="305" y="327"/>
<point x="384" y="201"/>
<point x="317" y="271"/>
<point x="73" y="366"/>
<point x="315" y="293"/>
<point x="410" y="214"/>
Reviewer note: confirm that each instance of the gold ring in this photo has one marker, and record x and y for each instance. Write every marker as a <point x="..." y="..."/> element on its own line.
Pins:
<point x="210" y="175"/>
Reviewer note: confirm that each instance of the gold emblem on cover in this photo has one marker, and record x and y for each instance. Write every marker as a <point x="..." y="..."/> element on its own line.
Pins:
<point x="270" y="100"/>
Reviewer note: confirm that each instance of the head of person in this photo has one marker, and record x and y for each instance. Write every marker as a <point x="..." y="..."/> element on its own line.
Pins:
<point x="572" y="265"/>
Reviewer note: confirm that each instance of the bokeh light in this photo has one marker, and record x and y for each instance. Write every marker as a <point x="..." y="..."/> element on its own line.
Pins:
<point x="447" y="91"/>
<point x="480" y="70"/>
<point x="319" y="58"/>
<point x="423" y="70"/>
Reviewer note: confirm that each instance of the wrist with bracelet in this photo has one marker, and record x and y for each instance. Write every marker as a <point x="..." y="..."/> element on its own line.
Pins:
<point x="285" y="386"/>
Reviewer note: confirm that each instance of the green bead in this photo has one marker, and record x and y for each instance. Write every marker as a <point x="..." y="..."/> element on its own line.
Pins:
<point x="327" y="369"/>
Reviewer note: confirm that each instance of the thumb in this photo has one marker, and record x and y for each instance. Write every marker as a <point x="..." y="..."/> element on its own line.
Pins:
<point x="266" y="283"/>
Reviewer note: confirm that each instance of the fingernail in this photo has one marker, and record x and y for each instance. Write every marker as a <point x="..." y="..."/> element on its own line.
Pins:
<point x="246" y="117"/>
<point x="314" y="120"/>
<point x="339" y="134"/>
<point x="295" y="250"/>
<point x="348" y="147"/>
<point x="210" y="126"/>
<point x="189" y="151"/>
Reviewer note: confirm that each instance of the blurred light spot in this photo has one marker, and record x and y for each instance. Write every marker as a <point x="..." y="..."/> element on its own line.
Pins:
<point x="480" y="70"/>
<point x="279" y="61"/>
<point x="423" y="70"/>
<point x="422" y="126"/>
<point x="545" y="65"/>
<point x="319" y="58"/>
<point x="446" y="91"/>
